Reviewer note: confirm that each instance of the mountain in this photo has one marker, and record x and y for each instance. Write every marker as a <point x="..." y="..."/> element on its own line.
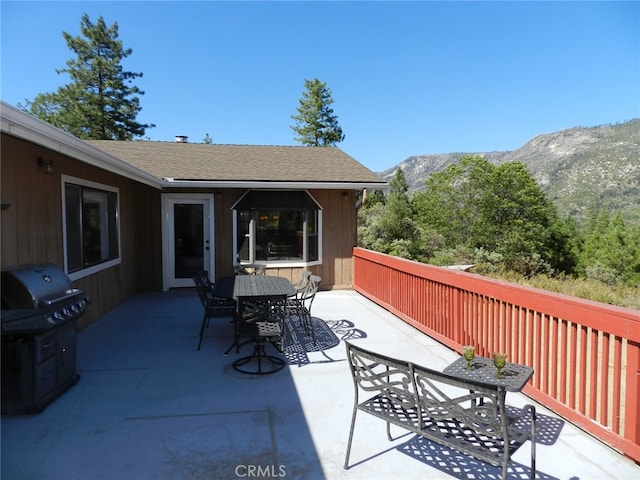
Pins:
<point x="578" y="168"/>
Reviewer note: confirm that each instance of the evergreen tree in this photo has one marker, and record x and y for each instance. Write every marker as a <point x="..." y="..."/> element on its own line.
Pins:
<point x="516" y="216"/>
<point x="370" y="234"/>
<point x="99" y="103"/>
<point x="377" y="196"/>
<point x="566" y="242"/>
<point x="395" y="228"/>
<point x="398" y="216"/>
<point x="501" y="210"/>
<point x="316" y="124"/>
<point x="452" y="199"/>
<point x="611" y="251"/>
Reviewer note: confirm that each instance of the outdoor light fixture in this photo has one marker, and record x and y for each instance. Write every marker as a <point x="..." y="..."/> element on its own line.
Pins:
<point x="45" y="165"/>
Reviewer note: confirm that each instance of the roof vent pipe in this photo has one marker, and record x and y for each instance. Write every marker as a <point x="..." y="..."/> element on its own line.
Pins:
<point x="181" y="138"/>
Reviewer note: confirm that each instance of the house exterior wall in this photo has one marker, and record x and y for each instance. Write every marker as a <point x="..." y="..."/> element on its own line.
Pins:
<point x="339" y="235"/>
<point x="32" y="225"/>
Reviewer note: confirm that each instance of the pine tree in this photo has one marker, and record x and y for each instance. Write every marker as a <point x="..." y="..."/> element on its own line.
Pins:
<point x="396" y="224"/>
<point x="316" y="124"/>
<point x="99" y="103"/>
<point x="499" y="209"/>
<point x="398" y="215"/>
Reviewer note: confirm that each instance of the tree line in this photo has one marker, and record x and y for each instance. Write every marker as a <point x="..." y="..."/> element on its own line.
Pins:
<point x="498" y="219"/>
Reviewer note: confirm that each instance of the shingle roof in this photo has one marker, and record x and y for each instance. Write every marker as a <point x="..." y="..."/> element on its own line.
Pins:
<point x="212" y="162"/>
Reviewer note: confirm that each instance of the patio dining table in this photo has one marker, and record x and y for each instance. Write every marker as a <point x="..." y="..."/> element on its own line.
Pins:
<point x="241" y="287"/>
<point x="259" y="316"/>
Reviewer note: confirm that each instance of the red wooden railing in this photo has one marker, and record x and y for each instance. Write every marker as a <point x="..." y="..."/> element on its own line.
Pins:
<point x="586" y="355"/>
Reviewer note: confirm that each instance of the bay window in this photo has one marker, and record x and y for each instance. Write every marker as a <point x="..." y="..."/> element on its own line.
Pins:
<point x="277" y="227"/>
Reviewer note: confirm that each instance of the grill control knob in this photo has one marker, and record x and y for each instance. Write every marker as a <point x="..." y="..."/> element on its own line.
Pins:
<point x="50" y="320"/>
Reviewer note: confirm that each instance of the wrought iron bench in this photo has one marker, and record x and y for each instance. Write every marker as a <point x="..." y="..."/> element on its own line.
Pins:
<point x="465" y="415"/>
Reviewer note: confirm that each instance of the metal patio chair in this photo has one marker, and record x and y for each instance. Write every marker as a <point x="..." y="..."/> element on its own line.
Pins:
<point x="304" y="281"/>
<point x="213" y="306"/>
<point x="260" y="321"/>
<point x="300" y="305"/>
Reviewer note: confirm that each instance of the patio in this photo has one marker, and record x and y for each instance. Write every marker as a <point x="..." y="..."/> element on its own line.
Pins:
<point x="149" y="406"/>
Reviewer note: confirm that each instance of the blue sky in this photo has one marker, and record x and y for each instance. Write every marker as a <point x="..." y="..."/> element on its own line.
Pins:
<point x="408" y="78"/>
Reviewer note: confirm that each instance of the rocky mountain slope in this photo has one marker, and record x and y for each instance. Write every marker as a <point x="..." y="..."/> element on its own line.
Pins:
<point x="578" y="168"/>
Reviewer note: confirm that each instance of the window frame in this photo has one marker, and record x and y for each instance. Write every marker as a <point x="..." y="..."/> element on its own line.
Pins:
<point x="252" y="236"/>
<point x="98" y="267"/>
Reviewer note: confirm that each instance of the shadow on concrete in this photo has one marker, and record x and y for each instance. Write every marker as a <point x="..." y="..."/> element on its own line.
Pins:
<point x="301" y="347"/>
<point x="149" y="405"/>
<point x="461" y="466"/>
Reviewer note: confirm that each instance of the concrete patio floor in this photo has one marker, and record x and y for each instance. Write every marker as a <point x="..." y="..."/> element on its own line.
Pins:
<point x="149" y="406"/>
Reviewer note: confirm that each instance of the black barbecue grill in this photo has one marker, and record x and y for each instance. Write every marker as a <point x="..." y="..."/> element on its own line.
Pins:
<point x="39" y="309"/>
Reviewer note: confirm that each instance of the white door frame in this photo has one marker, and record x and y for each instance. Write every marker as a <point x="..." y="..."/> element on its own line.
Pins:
<point x="168" y="242"/>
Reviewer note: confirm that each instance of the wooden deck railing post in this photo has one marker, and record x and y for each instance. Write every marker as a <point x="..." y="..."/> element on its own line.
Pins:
<point x="632" y="422"/>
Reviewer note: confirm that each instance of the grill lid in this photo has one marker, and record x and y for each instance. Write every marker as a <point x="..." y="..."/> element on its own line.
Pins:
<point x="35" y="286"/>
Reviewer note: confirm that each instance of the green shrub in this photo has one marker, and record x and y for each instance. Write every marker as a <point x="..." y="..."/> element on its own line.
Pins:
<point x="601" y="273"/>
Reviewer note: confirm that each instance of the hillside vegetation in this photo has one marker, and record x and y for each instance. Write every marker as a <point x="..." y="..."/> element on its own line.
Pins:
<point x="498" y="218"/>
<point x="580" y="169"/>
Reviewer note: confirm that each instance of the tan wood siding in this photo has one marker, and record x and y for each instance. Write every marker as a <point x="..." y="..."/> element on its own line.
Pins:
<point x="338" y="237"/>
<point x="32" y="225"/>
<point x="8" y="216"/>
<point x="31" y="228"/>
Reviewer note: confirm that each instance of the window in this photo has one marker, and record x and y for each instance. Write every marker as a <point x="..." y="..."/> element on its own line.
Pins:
<point x="91" y="230"/>
<point x="277" y="227"/>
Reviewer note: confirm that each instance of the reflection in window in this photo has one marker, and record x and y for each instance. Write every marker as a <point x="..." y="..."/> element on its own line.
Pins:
<point x="91" y="226"/>
<point x="277" y="227"/>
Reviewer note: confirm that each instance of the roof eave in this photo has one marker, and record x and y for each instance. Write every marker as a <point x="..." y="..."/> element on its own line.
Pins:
<point x="27" y="127"/>
<point x="22" y="125"/>
<point x="177" y="183"/>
